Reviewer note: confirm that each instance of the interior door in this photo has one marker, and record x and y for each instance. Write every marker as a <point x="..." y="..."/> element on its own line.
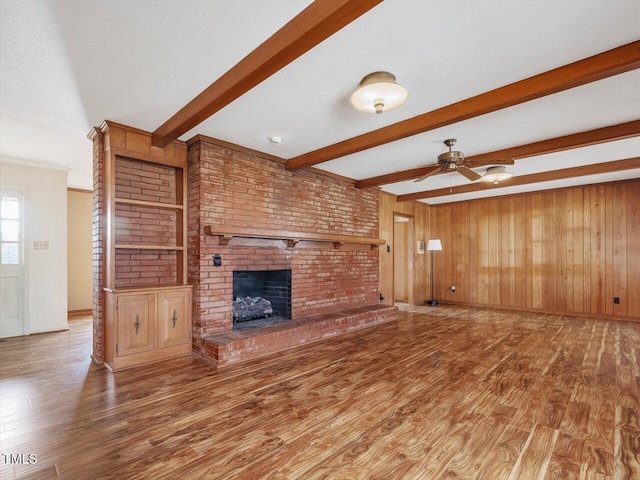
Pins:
<point x="11" y="264"/>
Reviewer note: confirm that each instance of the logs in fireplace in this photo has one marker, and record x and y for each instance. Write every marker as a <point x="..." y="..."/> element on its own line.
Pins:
<point x="250" y="308"/>
<point x="261" y="294"/>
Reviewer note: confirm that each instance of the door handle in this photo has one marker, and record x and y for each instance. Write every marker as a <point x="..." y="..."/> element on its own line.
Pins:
<point x="174" y="319"/>
<point x="137" y="324"/>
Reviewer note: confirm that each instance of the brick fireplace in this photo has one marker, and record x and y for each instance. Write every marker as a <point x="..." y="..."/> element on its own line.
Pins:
<point x="233" y="187"/>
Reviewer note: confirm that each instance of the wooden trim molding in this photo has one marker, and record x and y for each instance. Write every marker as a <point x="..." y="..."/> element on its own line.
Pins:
<point x="310" y="27"/>
<point x="78" y="190"/>
<point x="591" y="69"/>
<point x="582" y="171"/>
<point x="558" y="144"/>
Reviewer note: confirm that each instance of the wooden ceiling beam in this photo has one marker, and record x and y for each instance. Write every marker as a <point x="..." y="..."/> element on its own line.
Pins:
<point x="591" y="69"/>
<point x="394" y="177"/>
<point x="581" y="171"/>
<point x="558" y="144"/>
<point x="314" y="24"/>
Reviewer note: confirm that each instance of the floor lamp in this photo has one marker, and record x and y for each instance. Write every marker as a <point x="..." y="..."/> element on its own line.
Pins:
<point x="433" y="245"/>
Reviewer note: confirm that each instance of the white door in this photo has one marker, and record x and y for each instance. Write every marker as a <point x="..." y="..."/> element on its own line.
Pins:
<point x="11" y="260"/>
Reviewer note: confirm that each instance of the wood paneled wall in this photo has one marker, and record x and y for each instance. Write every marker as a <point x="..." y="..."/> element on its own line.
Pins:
<point x="567" y="250"/>
<point x="420" y="274"/>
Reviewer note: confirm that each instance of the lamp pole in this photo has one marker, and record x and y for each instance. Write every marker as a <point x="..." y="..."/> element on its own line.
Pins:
<point x="433" y="245"/>
<point x="433" y="302"/>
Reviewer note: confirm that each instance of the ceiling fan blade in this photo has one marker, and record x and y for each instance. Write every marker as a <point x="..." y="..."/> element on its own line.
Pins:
<point x="432" y="170"/>
<point x="495" y="161"/>
<point x="470" y="174"/>
<point x="503" y="161"/>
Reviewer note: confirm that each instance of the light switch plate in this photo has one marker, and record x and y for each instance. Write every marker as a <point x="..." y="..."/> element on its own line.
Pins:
<point x="42" y="245"/>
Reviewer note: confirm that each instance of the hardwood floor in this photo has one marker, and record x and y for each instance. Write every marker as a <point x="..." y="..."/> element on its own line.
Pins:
<point x="445" y="392"/>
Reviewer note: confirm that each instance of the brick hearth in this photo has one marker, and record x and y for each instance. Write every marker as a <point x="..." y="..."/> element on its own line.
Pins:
<point x="240" y="345"/>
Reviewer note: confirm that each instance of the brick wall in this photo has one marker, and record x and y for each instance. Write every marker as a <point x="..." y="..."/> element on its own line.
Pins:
<point x="143" y="268"/>
<point x="135" y="224"/>
<point x="235" y="188"/>
<point x="145" y="181"/>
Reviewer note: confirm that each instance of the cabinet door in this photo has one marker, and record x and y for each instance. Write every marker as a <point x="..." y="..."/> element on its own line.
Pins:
<point x="136" y="323"/>
<point x="174" y="322"/>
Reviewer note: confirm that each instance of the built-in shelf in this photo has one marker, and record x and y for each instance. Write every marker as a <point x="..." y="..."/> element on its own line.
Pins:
<point x="133" y="246"/>
<point x="142" y="288"/>
<point x="291" y="239"/>
<point x="168" y="206"/>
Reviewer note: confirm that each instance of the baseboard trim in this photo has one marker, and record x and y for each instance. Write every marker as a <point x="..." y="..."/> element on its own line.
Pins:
<point x="79" y="313"/>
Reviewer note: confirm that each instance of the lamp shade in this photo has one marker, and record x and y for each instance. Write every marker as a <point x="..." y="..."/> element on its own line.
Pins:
<point x="434" y="244"/>
<point x="379" y="92"/>
<point x="496" y="174"/>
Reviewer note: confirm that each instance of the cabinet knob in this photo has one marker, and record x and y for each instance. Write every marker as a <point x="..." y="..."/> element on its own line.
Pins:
<point x="174" y="318"/>
<point x="137" y="324"/>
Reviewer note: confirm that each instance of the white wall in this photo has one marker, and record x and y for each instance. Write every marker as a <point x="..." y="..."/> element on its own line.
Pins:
<point x="44" y="193"/>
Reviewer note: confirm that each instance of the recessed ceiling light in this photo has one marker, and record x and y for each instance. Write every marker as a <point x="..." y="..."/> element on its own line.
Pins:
<point x="275" y="139"/>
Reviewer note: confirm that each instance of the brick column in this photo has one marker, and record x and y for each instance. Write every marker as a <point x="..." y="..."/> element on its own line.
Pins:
<point x="195" y="238"/>
<point x="97" y="138"/>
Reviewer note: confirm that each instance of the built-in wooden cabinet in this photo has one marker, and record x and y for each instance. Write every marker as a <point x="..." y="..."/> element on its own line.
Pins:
<point x="174" y="318"/>
<point x="135" y="323"/>
<point x="147" y="299"/>
<point x="146" y="325"/>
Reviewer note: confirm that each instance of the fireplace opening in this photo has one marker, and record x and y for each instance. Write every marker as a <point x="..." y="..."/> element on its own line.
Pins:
<point x="261" y="297"/>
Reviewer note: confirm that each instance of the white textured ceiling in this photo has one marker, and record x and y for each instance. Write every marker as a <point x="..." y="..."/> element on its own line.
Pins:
<point x="66" y="66"/>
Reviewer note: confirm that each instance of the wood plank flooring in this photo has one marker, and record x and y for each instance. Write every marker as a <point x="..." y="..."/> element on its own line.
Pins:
<point x="446" y="392"/>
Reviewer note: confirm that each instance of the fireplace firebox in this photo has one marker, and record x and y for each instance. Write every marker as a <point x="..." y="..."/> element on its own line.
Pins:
<point x="251" y="288"/>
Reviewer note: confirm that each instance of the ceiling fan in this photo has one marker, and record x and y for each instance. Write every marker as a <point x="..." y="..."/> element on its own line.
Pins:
<point x="454" y="161"/>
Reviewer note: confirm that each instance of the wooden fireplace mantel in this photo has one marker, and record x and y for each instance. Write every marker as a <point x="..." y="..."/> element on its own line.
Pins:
<point x="291" y="239"/>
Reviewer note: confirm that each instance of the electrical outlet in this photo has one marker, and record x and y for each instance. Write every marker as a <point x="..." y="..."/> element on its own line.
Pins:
<point x="42" y="245"/>
<point x="616" y="299"/>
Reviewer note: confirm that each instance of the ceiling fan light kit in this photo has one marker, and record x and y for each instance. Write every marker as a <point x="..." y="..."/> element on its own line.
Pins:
<point x="496" y="175"/>
<point x="379" y="92"/>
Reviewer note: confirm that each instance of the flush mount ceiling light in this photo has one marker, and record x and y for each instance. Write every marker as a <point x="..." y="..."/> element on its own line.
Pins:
<point x="379" y="92"/>
<point x="275" y="139"/>
<point x="496" y="174"/>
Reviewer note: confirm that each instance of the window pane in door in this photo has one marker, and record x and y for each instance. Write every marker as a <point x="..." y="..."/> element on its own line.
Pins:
<point x="10" y="230"/>
<point x="9" y="208"/>
<point x="10" y="253"/>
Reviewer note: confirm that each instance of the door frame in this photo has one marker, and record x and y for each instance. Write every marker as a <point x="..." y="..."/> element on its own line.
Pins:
<point x="410" y="258"/>
<point x="24" y="198"/>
